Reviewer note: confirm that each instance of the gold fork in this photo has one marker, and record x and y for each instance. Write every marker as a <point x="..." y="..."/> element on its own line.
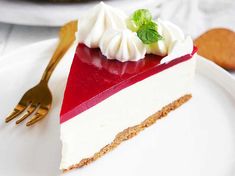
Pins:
<point x="38" y="99"/>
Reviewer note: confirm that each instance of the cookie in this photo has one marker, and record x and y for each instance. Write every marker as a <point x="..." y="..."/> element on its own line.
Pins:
<point x="218" y="45"/>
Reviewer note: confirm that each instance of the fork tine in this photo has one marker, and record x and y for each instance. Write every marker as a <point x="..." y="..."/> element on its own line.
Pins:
<point x="35" y="119"/>
<point x="40" y="114"/>
<point x="17" y="111"/>
<point x="30" y="110"/>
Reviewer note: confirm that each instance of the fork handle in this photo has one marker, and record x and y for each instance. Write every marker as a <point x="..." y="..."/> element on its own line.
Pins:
<point x="67" y="37"/>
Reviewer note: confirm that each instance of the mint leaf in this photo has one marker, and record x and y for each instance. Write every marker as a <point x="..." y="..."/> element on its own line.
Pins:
<point x="139" y="18"/>
<point x="131" y="25"/>
<point x="148" y="33"/>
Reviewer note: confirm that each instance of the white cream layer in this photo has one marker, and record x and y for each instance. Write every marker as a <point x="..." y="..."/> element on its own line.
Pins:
<point x="88" y="132"/>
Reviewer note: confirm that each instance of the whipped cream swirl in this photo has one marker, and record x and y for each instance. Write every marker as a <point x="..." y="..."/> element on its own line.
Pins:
<point x="123" y="45"/>
<point x="174" y="43"/>
<point x="95" y="22"/>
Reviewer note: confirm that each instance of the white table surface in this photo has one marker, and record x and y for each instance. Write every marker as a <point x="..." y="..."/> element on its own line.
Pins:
<point x="13" y="37"/>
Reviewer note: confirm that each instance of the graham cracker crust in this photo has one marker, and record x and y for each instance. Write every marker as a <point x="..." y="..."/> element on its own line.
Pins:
<point x="132" y="131"/>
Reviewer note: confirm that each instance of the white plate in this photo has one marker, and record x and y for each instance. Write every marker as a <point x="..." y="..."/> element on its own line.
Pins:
<point x="55" y="14"/>
<point x="196" y="139"/>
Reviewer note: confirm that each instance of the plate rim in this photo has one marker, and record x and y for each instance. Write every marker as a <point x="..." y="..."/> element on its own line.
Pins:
<point x="221" y="76"/>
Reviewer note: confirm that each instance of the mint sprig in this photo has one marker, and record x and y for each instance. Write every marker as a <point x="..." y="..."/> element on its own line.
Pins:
<point x="141" y="22"/>
<point x="148" y="33"/>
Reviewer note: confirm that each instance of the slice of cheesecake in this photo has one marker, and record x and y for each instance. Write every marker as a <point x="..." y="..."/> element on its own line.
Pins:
<point x="107" y="102"/>
<point x="127" y="73"/>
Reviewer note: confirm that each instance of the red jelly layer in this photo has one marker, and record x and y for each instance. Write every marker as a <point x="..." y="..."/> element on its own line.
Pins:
<point x="93" y="78"/>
